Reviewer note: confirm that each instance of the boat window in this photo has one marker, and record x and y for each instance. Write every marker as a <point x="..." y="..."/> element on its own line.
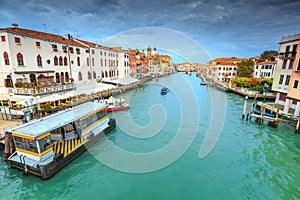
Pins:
<point x="26" y="144"/>
<point x="101" y="114"/>
<point x="88" y="121"/>
<point x="45" y="143"/>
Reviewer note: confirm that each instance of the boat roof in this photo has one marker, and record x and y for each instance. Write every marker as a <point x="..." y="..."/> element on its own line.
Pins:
<point x="41" y="126"/>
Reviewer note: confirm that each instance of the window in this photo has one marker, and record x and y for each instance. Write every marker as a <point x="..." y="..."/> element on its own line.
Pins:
<point x="54" y="47"/>
<point x="284" y="64"/>
<point x="298" y="67"/>
<point x="20" y="59"/>
<point x="93" y="51"/>
<point x="38" y="44"/>
<point x="17" y="40"/>
<point x="39" y="60"/>
<point x="100" y="53"/>
<point x="295" y="47"/>
<point x="287" y="80"/>
<point x="101" y="61"/>
<point x="89" y="75"/>
<point x="296" y="82"/>
<point x="57" y="77"/>
<point x="291" y="64"/>
<point x="93" y="62"/>
<point x="71" y="49"/>
<point x="3" y="38"/>
<point x="78" y="61"/>
<point x="87" y="51"/>
<point x="104" y="53"/>
<point x="65" y="61"/>
<point x="79" y="76"/>
<point x="60" y="61"/>
<point x="67" y="76"/>
<point x="287" y="49"/>
<point x="87" y="62"/>
<point x="62" y="77"/>
<point x="45" y="143"/>
<point x="6" y="60"/>
<point x="55" y="61"/>
<point x="77" y="50"/>
<point x="26" y="144"/>
<point x="105" y="63"/>
<point x="281" y="79"/>
<point x="64" y="48"/>
<point x="94" y="75"/>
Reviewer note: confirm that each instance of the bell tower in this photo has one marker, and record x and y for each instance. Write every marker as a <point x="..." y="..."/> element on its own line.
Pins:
<point x="148" y="51"/>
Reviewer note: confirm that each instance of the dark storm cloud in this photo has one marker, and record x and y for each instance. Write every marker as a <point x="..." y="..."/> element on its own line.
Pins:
<point x="224" y="27"/>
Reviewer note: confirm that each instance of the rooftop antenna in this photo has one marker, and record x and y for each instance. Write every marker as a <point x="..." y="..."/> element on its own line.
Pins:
<point x="77" y="34"/>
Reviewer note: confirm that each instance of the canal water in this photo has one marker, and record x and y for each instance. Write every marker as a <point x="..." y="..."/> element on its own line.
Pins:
<point x="155" y="152"/>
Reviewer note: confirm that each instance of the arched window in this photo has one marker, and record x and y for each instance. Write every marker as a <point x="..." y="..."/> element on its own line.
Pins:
<point x="105" y="73"/>
<point x="62" y="77"/>
<point x="87" y="62"/>
<point x="89" y="75"/>
<point x="57" y="78"/>
<point x="102" y="74"/>
<point x="20" y="59"/>
<point x="39" y="60"/>
<point x="78" y="61"/>
<point x="79" y="76"/>
<point x="94" y="75"/>
<point x="66" y="76"/>
<point x="65" y="61"/>
<point x="60" y="61"/>
<point x="8" y="81"/>
<point x="117" y="72"/>
<point x="6" y="59"/>
<point x="55" y="61"/>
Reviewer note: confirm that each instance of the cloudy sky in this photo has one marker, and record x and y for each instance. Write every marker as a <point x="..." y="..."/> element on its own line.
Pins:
<point x="223" y="28"/>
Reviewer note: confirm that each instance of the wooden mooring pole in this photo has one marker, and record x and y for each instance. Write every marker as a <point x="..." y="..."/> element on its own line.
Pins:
<point x="245" y="107"/>
<point x="297" y="131"/>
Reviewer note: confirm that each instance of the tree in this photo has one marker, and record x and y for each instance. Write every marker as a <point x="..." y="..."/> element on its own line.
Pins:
<point x="245" y="68"/>
<point x="268" y="55"/>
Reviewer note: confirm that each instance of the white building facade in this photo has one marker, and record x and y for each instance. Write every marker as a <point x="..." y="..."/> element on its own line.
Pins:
<point x="32" y="61"/>
<point x="264" y="69"/>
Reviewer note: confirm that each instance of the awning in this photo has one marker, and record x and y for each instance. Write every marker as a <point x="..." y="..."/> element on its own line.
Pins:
<point x="123" y="81"/>
<point x="34" y="71"/>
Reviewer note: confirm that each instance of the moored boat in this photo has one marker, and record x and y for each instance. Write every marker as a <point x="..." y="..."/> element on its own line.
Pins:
<point x="44" y="146"/>
<point x="114" y="104"/>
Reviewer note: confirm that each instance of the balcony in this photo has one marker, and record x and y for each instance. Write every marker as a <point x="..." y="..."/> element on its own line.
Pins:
<point x="45" y="90"/>
<point x="287" y="55"/>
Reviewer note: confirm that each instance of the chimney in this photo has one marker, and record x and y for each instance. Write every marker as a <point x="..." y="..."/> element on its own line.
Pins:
<point x="15" y="25"/>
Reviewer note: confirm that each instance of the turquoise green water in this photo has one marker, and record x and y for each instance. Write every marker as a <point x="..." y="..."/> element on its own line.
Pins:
<point x="249" y="161"/>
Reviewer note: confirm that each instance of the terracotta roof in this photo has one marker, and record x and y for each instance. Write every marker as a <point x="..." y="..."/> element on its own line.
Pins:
<point x="228" y="59"/>
<point x="267" y="62"/>
<point x="42" y="36"/>
<point x="227" y="63"/>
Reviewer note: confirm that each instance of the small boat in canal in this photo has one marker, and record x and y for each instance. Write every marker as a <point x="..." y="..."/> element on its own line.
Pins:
<point x="44" y="146"/>
<point x="164" y="90"/>
<point x="202" y="83"/>
<point x="114" y="104"/>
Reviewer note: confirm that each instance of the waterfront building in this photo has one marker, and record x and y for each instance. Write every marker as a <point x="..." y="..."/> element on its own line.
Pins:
<point x="264" y="69"/>
<point x="157" y="64"/>
<point x="123" y="62"/>
<point x="39" y="63"/>
<point x="287" y="64"/>
<point x="137" y="62"/>
<point x="225" y="69"/>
